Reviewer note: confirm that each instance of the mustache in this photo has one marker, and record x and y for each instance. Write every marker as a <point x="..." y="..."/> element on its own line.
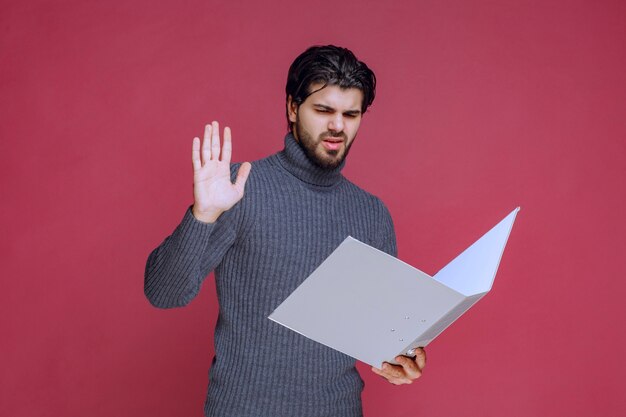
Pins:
<point x="333" y="135"/>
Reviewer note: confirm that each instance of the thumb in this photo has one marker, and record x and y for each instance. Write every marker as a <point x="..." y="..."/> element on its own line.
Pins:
<point x="242" y="176"/>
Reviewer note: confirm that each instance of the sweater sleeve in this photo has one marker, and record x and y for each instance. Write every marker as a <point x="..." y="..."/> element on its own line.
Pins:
<point x="176" y="269"/>
<point x="385" y="237"/>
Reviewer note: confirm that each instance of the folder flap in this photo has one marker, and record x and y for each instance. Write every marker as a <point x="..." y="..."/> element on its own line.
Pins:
<point x="473" y="271"/>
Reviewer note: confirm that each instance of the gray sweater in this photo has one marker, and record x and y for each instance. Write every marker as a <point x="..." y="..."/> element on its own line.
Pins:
<point x="292" y="216"/>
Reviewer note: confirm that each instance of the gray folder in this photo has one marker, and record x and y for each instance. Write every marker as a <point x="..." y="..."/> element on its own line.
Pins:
<point x="374" y="307"/>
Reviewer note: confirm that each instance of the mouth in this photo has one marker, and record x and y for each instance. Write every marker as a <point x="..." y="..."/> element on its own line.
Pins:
<point x="332" y="143"/>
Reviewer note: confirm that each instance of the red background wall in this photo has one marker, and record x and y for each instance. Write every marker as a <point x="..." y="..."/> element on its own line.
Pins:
<point x="481" y="106"/>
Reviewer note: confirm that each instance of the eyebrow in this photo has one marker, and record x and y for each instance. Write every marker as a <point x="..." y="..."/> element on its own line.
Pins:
<point x="325" y="107"/>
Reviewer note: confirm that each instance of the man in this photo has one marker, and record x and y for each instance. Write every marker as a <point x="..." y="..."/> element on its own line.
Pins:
<point x="262" y="243"/>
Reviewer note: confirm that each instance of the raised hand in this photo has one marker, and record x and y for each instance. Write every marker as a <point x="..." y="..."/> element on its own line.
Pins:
<point x="213" y="191"/>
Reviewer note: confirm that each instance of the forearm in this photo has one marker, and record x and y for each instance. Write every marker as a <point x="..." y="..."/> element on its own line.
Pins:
<point x="175" y="270"/>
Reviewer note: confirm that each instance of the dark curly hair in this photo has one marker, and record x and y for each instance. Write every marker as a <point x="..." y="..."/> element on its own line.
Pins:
<point x="329" y="65"/>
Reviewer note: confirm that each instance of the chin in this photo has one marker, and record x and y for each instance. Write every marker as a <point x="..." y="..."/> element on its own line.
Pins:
<point x="328" y="163"/>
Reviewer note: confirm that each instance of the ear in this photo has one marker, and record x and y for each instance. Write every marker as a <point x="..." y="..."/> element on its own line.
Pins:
<point x="292" y="109"/>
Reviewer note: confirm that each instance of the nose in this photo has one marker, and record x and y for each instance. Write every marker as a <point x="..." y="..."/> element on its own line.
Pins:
<point x="336" y="123"/>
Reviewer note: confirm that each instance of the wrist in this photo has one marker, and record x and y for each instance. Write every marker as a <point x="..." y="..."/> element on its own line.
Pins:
<point x="206" y="216"/>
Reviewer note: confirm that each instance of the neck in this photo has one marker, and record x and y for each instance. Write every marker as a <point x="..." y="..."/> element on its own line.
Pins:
<point x="295" y="161"/>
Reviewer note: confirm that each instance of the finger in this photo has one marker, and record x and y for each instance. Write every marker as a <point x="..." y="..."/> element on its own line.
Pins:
<point x="227" y="147"/>
<point x="195" y="154"/>
<point x="390" y="378"/>
<point x="381" y="371"/>
<point x="215" y="141"/>
<point x="377" y="371"/>
<point x="401" y="381"/>
<point x="395" y="374"/>
<point x="394" y="370"/>
<point x="409" y="367"/>
<point x="242" y="176"/>
<point x="206" y="149"/>
<point x="420" y="358"/>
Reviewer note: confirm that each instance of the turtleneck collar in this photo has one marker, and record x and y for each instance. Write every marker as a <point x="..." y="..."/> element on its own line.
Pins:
<point x="295" y="161"/>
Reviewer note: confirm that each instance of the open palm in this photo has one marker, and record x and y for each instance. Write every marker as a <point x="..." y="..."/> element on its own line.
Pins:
<point x="213" y="191"/>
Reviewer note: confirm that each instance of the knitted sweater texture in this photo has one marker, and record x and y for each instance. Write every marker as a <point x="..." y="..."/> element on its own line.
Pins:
<point x="292" y="216"/>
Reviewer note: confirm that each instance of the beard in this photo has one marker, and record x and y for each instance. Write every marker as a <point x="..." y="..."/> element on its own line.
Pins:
<point x="323" y="158"/>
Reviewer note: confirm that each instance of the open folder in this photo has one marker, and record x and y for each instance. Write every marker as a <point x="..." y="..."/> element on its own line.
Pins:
<point x="374" y="307"/>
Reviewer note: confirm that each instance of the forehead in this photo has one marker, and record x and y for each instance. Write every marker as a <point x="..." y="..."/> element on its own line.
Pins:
<point x="336" y="97"/>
